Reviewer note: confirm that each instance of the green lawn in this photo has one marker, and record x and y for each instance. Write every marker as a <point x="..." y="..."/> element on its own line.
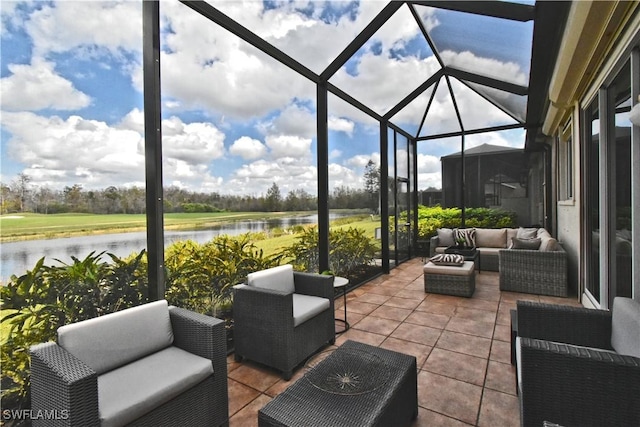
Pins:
<point x="39" y="226"/>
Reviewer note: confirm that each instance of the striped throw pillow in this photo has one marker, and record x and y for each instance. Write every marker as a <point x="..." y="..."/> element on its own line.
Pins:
<point x="448" y="259"/>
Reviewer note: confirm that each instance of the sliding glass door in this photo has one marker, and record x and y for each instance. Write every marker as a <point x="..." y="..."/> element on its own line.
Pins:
<point x="608" y="193"/>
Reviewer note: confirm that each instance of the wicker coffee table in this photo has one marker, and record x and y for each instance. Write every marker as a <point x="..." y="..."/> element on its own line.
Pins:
<point x="355" y="385"/>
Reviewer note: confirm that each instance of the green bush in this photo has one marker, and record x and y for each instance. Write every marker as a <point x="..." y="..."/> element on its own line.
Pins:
<point x="199" y="277"/>
<point x="348" y="249"/>
<point x="434" y="217"/>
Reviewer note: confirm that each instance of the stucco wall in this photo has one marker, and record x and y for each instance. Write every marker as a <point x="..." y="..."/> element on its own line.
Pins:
<point x="569" y="236"/>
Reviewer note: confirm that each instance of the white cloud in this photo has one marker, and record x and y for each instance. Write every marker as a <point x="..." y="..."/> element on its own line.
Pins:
<point x="360" y="161"/>
<point x="61" y="152"/>
<point x="488" y="66"/>
<point x="292" y="120"/>
<point x="341" y="176"/>
<point x="74" y="150"/>
<point x="248" y="148"/>
<point x="86" y="27"/>
<point x="36" y="86"/>
<point x="289" y="146"/>
<point x="288" y="173"/>
<point x="341" y="125"/>
<point x="194" y="143"/>
<point x="428" y="164"/>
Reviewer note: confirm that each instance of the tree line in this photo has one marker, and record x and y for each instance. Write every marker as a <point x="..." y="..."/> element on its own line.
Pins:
<point x="20" y="196"/>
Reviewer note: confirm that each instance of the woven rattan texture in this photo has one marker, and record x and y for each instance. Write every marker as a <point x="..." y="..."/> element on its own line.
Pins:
<point x="61" y="382"/>
<point x="463" y="286"/>
<point x="533" y="272"/>
<point x="393" y="404"/>
<point x="263" y="324"/>
<point x="569" y="375"/>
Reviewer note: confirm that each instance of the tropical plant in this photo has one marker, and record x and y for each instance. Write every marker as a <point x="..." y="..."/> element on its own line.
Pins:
<point x="200" y="276"/>
<point x="349" y="249"/>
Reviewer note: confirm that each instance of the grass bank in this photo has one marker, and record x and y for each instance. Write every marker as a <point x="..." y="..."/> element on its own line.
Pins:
<point x="39" y="226"/>
<point x="30" y="226"/>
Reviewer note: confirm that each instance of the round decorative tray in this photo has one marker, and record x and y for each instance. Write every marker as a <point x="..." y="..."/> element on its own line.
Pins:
<point x="347" y="372"/>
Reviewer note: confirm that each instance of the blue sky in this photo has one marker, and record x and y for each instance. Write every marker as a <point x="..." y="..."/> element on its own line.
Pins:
<point x="234" y="120"/>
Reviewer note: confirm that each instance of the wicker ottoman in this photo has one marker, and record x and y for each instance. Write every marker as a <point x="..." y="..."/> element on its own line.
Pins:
<point x="355" y="385"/>
<point x="450" y="280"/>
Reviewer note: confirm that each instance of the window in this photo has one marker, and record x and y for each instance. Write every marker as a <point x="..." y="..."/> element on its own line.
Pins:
<point x="565" y="163"/>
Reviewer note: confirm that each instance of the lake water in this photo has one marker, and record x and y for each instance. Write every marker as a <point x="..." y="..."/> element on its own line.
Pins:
<point x="18" y="257"/>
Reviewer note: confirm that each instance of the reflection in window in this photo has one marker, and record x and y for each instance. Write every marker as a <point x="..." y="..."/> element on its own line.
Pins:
<point x="593" y="198"/>
<point x="620" y="150"/>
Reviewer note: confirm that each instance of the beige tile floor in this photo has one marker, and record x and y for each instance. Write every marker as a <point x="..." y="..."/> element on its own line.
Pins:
<point x="461" y="344"/>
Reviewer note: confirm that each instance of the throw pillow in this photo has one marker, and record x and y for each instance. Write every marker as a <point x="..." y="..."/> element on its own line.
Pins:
<point x="466" y="235"/>
<point x="531" y="244"/>
<point x="448" y="259"/>
<point x="527" y="233"/>
<point x="445" y="237"/>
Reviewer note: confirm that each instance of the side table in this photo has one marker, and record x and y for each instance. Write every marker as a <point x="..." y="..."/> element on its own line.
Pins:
<point x="342" y="282"/>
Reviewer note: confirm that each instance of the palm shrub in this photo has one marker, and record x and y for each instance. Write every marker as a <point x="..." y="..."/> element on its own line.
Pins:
<point x="35" y="304"/>
<point x="199" y="277"/>
<point x="349" y="249"/>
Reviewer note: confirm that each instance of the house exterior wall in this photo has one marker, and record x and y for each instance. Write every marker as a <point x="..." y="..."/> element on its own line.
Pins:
<point x="599" y="37"/>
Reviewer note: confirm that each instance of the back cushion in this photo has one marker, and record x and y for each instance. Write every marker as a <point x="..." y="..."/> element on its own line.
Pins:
<point x="108" y="342"/>
<point x="277" y="278"/>
<point x="625" y="326"/>
<point x="445" y="237"/>
<point x="548" y="244"/>
<point x="490" y="238"/>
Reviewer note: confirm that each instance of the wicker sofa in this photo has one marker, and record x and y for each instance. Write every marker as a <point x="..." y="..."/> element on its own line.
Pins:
<point x="150" y="365"/>
<point x="578" y="366"/>
<point x="539" y="271"/>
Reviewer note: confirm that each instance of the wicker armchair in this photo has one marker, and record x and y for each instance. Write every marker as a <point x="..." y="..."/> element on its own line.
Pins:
<point x="533" y="271"/>
<point x="265" y="315"/>
<point x="70" y="391"/>
<point x="568" y="370"/>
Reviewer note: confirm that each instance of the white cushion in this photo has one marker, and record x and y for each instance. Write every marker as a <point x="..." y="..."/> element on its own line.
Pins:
<point x="465" y="270"/>
<point x="277" y="278"/>
<point x="138" y="388"/>
<point x="548" y="244"/>
<point x="491" y="238"/>
<point x="527" y="233"/>
<point x="625" y="326"/>
<point x="108" y="342"/>
<point x="306" y="307"/>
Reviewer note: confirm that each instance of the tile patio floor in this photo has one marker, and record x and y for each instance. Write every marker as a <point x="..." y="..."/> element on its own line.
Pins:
<point x="461" y="344"/>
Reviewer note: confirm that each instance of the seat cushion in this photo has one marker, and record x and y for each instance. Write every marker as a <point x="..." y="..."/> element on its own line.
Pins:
<point x="306" y="307"/>
<point x="108" y="342"/>
<point x="625" y="326"/>
<point x="129" y="392"/>
<point x="465" y="269"/>
<point x="277" y="278"/>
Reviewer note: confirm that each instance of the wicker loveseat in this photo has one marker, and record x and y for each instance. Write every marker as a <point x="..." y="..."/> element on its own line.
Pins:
<point x="150" y="365"/>
<point x="578" y="366"/>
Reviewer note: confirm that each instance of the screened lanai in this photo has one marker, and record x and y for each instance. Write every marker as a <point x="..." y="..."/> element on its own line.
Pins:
<point x="454" y="74"/>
